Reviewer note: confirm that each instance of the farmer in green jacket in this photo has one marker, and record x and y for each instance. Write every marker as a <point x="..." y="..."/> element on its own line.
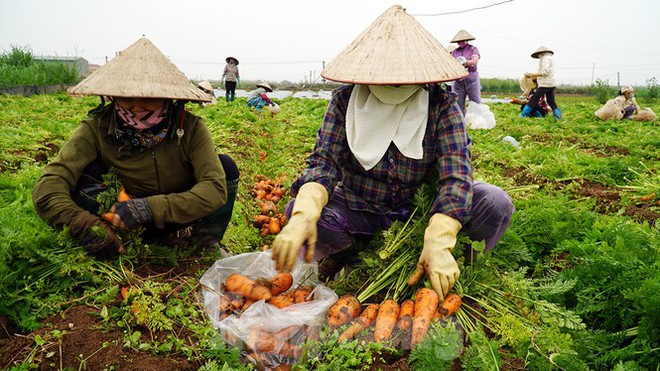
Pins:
<point x="164" y="157"/>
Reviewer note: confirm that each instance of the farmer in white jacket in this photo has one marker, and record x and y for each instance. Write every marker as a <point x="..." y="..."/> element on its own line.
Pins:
<point x="545" y="78"/>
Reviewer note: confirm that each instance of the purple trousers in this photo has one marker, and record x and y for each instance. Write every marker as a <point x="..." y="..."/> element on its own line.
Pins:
<point x="340" y="227"/>
<point x="469" y="87"/>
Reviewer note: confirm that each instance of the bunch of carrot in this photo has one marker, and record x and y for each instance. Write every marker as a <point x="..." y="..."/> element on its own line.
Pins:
<point x="241" y="291"/>
<point x="413" y="317"/>
<point x="267" y="193"/>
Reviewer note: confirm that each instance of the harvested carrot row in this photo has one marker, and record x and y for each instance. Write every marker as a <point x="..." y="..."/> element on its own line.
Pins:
<point x="426" y="302"/>
<point x="343" y="311"/>
<point x="249" y="288"/>
<point x="365" y="320"/>
<point x="450" y="305"/>
<point x="388" y="312"/>
<point x="405" y="319"/>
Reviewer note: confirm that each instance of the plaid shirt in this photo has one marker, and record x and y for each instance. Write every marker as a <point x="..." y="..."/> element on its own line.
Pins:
<point x="393" y="182"/>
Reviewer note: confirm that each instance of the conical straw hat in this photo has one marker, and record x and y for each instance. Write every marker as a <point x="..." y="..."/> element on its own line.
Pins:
<point x="264" y="85"/>
<point x="394" y="50"/>
<point x="205" y="85"/>
<point x="228" y="59"/>
<point x="462" y="35"/>
<point x="541" y="49"/>
<point x="140" y="71"/>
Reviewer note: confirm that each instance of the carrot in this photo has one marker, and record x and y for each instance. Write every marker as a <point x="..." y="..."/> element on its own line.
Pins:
<point x="260" y="220"/>
<point x="366" y="319"/>
<point x="261" y="341"/>
<point x="406" y="315"/>
<point x="290" y="350"/>
<point x="281" y="301"/>
<point x="237" y="303"/>
<point x="450" y="305"/>
<point x="274" y="226"/>
<point x="109" y="216"/>
<point x="426" y="301"/>
<point x="343" y="311"/>
<point x="247" y="304"/>
<point x="123" y="196"/>
<point x="388" y="312"/>
<point x="249" y="288"/>
<point x="648" y="197"/>
<point x="225" y="303"/>
<point x="301" y="294"/>
<point x="280" y="283"/>
<point x="125" y="292"/>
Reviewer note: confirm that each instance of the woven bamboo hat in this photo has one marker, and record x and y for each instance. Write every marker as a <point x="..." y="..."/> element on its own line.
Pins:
<point x="462" y="35"/>
<point x="541" y="49"/>
<point x="140" y="71"/>
<point x="265" y="85"/>
<point x="205" y="85"/>
<point x="228" y="59"/>
<point x="394" y="50"/>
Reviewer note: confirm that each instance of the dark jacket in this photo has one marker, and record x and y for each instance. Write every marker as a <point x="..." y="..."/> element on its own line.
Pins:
<point x="182" y="182"/>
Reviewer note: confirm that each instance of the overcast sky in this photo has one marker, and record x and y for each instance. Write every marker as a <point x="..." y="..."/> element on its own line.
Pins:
<point x="279" y="40"/>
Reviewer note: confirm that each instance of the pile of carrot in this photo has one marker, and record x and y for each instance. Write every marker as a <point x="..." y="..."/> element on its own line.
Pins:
<point x="268" y="348"/>
<point x="241" y="291"/>
<point x="412" y="317"/>
<point x="267" y="193"/>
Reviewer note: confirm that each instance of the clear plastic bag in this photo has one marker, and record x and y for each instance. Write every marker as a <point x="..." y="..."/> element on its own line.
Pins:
<point x="479" y="116"/>
<point x="268" y="335"/>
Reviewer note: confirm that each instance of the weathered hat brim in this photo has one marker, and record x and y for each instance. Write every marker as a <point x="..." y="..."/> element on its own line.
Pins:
<point x="140" y="71"/>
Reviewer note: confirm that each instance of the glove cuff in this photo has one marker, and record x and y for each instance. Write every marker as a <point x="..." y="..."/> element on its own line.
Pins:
<point x="135" y="212"/>
<point x="442" y="227"/>
<point x="311" y="199"/>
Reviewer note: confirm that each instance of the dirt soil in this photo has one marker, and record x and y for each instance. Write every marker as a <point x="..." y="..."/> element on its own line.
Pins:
<point x="83" y="345"/>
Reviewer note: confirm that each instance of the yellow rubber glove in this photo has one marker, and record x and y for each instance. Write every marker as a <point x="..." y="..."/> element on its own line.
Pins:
<point x="301" y="227"/>
<point x="436" y="258"/>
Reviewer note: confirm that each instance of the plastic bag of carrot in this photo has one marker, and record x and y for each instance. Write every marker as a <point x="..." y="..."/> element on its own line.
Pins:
<point x="268" y="315"/>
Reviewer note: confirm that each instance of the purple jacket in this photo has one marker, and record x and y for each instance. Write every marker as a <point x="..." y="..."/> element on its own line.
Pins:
<point x="467" y="52"/>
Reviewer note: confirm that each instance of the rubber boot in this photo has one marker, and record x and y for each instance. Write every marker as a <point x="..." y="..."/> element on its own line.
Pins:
<point x="233" y="96"/>
<point x="556" y="113"/>
<point x="227" y="97"/>
<point x="527" y="111"/>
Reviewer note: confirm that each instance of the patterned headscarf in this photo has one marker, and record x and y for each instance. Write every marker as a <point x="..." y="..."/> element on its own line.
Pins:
<point x="143" y="120"/>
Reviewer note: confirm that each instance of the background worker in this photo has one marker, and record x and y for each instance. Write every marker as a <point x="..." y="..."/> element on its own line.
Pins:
<point x="391" y="129"/>
<point x="231" y="77"/>
<point x="258" y="97"/>
<point x="470" y="86"/>
<point x="545" y="79"/>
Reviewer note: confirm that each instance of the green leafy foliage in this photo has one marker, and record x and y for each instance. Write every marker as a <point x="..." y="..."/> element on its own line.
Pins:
<point x="438" y="350"/>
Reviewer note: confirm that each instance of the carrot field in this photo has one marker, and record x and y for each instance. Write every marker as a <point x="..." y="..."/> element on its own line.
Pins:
<point x="574" y="284"/>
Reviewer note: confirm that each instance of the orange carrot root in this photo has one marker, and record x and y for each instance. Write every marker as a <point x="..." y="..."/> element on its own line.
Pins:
<point x="280" y="283"/>
<point x="365" y="320"/>
<point x="388" y="312"/>
<point x="406" y="315"/>
<point x="301" y="294"/>
<point x="450" y="305"/>
<point x="426" y="302"/>
<point x="281" y="301"/>
<point x="123" y="196"/>
<point x="249" y="288"/>
<point x="343" y="311"/>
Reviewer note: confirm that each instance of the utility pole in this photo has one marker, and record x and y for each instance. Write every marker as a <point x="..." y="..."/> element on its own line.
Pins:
<point x="618" y="81"/>
<point x="593" y="69"/>
<point x="323" y="78"/>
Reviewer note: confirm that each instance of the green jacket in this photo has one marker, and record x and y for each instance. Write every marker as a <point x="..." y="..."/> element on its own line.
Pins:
<point x="182" y="182"/>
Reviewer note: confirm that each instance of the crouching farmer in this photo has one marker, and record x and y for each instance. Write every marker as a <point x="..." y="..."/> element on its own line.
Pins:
<point x="164" y="157"/>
